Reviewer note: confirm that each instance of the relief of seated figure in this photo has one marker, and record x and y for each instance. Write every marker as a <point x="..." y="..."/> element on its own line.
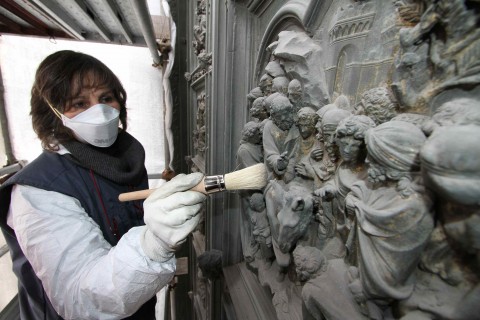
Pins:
<point x="280" y="140"/>
<point x="393" y="217"/>
<point x="349" y="137"/>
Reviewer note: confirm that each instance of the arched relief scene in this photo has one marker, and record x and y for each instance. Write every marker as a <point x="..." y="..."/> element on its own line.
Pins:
<point x="368" y="126"/>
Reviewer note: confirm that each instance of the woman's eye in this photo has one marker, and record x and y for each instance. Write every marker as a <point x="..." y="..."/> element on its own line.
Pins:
<point x="107" y="99"/>
<point x="78" y="104"/>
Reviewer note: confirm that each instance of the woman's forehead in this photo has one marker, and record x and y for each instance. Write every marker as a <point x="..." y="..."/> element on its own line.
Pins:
<point x="87" y="82"/>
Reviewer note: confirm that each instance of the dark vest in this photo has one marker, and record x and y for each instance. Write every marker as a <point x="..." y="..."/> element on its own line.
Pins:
<point x="97" y="195"/>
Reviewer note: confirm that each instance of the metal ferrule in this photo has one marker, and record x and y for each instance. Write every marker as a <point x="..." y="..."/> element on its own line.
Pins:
<point x="214" y="183"/>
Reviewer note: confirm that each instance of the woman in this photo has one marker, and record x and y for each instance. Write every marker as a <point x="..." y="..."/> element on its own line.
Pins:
<point x="77" y="251"/>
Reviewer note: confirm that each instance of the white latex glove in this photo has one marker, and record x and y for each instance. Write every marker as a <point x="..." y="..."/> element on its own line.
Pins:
<point x="171" y="213"/>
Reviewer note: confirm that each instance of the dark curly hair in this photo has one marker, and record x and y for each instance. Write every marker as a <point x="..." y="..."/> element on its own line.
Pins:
<point x="61" y="77"/>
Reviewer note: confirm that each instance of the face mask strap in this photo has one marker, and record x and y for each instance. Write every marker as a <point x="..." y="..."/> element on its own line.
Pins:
<point x="55" y="111"/>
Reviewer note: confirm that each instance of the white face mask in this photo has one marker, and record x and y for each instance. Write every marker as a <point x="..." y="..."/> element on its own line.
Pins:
<point x="98" y="125"/>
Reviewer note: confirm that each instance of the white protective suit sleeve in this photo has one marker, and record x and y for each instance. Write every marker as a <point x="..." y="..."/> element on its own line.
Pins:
<point x="83" y="275"/>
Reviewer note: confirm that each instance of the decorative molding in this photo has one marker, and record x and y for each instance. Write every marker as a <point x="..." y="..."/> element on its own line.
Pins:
<point x="258" y="7"/>
<point x="351" y="28"/>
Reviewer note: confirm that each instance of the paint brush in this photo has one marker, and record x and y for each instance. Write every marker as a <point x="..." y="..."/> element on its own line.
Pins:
<point x="250" y="178"/>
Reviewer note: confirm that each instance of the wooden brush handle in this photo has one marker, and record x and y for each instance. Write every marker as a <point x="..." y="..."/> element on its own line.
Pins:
<point x="143" y="194"/>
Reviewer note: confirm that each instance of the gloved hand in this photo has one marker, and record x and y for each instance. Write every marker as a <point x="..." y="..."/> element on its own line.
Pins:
<point x="171" y="213"/>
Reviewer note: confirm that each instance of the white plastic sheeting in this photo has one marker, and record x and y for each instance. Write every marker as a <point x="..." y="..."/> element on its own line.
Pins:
<point x="168" y="101"/>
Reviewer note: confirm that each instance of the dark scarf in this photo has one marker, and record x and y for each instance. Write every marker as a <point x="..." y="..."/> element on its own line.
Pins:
<point x="123" y="162"/>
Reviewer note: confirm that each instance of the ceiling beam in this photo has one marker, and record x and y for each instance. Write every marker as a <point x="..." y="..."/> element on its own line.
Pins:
<point x="11" y="25"/>
<point x="119" y="19"/>
<point x="7" y="25"/>
<point x="26" y="16"/>
<point x="92" y="16"/>
<point x="60" y="17"/>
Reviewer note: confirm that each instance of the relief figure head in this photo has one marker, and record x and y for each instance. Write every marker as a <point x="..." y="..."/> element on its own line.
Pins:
<point x="309" y="262"/>
<point x="257" y="202"/>
<point x="458" y="111"/>
<point x="295" y="91"/>
<point x="330" y="121"/>
<point x="254" y="94"/>
<point x="306" y="121"/>
<point x="450" y="162"/>
<point x="350" y="138"/>
<point x="280" y="84"/>
<point x="393" y="150"/>
<point x="258" y="109"/>
<point x="265" y="84"/>
<point x="252" y="132"/>
<point x="281" y="113"/>
<point x="378" y="104"/>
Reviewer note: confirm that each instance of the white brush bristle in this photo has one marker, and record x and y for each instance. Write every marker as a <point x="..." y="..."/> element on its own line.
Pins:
<point x="250" y="178"/>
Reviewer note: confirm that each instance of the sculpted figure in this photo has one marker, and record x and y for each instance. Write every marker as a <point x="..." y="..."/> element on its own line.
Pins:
<point x="268" y="100"/>
<point x="305" y="164"/>
<point x="440" y="49"/>
<point x="420" y="120"/>
<point x="280" y="140"/>
<point x="200" y="29"/>
<point x="204" y="64"/>
<point x="330" y="121"/>
<point x="378" y="104"/>
<point x="280" y="84"/>
<point x="321" y="112"/>
<point x="349" y="137"/>
<point x="325" y="292"/>
<point x="295" y="94"/>
<point x="265" y="84"/>
<point x="261" y="228"/>
<point x="458" y="111"/>
<point x="342" y="102"/>
<point x="393" y="216"/>
<point x="258" y="110"/>
<point x="450" y="285"/>
<point x="250" y="149"/>
<point x="248" y="154"/>
<point x="254" y="94"/>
